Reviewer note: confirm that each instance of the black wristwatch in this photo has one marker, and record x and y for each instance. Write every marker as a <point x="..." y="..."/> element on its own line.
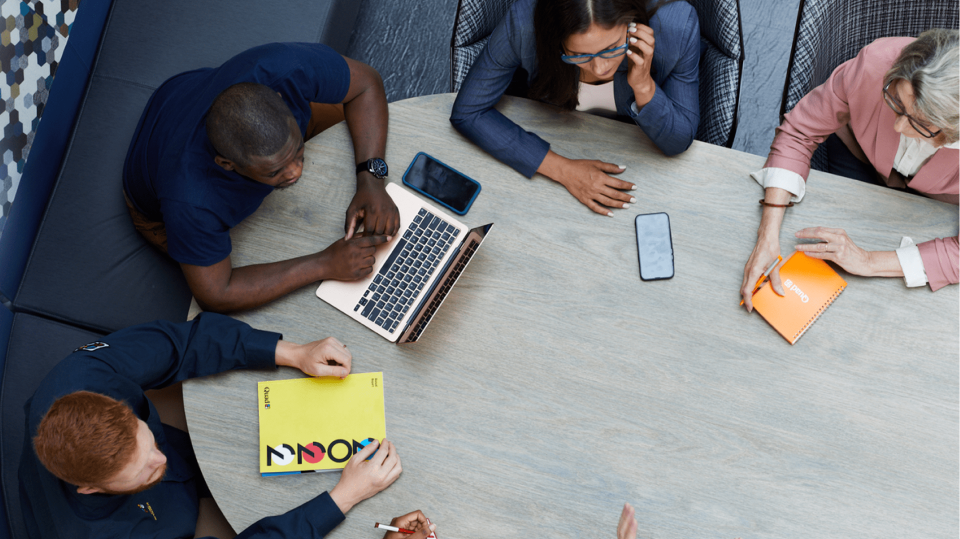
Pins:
<point x="375" y="166"/>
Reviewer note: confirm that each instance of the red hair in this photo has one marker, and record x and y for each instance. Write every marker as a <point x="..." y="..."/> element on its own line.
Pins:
<point x="86" y="438"/>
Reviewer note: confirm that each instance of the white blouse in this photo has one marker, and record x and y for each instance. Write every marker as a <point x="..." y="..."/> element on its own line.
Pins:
<point x="911" y="155"/>
<point x="597" y="99"/>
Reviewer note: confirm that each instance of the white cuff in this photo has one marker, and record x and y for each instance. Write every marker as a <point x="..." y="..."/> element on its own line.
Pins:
<point x="782" y="178"/>
<point x="909" y="256"/>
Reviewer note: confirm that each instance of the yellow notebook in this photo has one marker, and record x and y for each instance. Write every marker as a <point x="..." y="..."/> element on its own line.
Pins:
<point x="317" y="424"/>
<point x="810" y="285"/>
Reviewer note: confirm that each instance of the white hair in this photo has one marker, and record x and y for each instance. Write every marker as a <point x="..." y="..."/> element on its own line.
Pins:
<point x="931" y="64"/>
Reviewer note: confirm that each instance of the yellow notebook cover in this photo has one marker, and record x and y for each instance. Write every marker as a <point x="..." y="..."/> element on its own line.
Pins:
<point x="809" y="284"/>
<point x="317" y="424"/>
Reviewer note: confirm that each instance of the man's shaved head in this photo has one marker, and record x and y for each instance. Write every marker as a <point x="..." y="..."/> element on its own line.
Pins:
<point x="247" y="120"/>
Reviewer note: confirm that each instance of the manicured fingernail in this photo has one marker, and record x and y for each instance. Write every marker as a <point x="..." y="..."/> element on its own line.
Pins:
<point x="625" y="206"/>
<point x="633" y="40"/>
<point x="629" y="51"/>
<point x="433" y="527"/>
<point x="633" y="200"/>
<point x="634" y="188"/>
<point x="609" y="214"/>
<point x="622" y="167"/>
<point x="389" y="238"/>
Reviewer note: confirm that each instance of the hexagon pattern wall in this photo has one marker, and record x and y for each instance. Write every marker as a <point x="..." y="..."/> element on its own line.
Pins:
<point x="31" y="43"/>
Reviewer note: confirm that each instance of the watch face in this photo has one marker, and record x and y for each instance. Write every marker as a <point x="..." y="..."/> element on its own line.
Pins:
<point x="378" y="167"/>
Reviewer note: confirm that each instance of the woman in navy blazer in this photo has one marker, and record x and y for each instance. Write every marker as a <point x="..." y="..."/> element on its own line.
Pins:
<point x="585" y="42"/>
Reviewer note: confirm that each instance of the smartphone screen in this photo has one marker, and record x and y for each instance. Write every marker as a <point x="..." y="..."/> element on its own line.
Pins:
<point x="654" y="246"/>
<point x="441" y="183"/>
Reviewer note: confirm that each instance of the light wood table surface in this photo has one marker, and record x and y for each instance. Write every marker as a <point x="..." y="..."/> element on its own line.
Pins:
<point x="554" y="385"/>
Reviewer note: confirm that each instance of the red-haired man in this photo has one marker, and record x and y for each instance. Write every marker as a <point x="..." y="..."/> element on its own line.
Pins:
<point x="97" y="462"/>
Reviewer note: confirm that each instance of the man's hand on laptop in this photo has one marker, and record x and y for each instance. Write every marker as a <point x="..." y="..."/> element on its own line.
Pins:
<point x="363" y="478"/>
<point x="372" y="208"/>
<point x="349" y="259"/>
<point x="326" y="357"/>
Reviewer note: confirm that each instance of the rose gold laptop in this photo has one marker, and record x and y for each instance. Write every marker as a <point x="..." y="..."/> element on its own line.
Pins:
<point x="413" y="273"/>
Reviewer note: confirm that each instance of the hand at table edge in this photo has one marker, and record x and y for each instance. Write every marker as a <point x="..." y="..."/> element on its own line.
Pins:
<point x="414" y="521"/>
<point x="627" y="527"/>
<point x="326" y="357"/>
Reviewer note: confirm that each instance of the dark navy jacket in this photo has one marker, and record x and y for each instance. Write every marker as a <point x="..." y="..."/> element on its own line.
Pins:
<point x="150" y="356"/>
<point x="670" y="119"/>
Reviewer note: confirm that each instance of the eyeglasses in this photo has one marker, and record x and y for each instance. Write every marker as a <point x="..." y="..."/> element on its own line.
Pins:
<point x="897" y="107"/>
<point x="584" y="58"/>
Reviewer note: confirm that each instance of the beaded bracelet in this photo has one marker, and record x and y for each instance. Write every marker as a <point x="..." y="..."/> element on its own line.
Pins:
<point x="772" y="205"/>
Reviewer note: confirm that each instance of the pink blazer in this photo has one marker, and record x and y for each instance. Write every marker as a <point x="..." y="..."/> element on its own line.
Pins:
<point x="853" y="95"/>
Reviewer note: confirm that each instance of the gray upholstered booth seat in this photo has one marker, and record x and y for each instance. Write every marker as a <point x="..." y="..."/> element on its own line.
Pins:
<point x="35" y="346"/>
<point x="88" y="266"/>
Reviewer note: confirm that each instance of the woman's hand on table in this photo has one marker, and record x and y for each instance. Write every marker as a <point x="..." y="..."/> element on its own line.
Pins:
<point x="764" y="253"/>
<point x="590" y="182"/>
<point x="372" y="208"/>
<point x="627" y="528"/>
<point x="837" y="247"/>
<point x="640" y="57"/>
<point x="363" y="478"/>
<point x="415" y="522"/>
<point x="326" y="357"/>
<point x="767" y="248"/>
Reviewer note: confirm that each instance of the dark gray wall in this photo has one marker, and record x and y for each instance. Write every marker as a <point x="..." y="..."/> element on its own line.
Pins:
<point x="408" y="42"/>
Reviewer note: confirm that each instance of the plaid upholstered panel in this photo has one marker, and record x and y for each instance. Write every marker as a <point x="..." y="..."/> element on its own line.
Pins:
<point x="475" y="21"/>
<point x="719" y="92"/>
<point x="720" y="68"/>
<point x="463" y="58"/>
<point x="830" y="32"/>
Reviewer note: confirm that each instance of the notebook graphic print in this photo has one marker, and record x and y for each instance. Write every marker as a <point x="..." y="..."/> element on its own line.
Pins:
<point x="810" y="285"/>
<point x="317" y="424"/>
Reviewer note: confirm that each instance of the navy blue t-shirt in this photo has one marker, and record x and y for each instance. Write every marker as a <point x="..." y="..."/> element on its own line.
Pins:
<point x="170" y="174"/>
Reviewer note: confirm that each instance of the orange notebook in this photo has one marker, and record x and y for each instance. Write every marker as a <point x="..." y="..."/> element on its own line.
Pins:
<point x="810" y="285"/>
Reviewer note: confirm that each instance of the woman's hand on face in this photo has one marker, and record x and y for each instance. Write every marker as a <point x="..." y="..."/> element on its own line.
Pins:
<point x="640" y="57"/>
<point x="590" y="183"/>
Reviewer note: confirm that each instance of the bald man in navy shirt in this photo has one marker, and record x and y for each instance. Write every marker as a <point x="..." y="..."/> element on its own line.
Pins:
<point x="213" y="143"/>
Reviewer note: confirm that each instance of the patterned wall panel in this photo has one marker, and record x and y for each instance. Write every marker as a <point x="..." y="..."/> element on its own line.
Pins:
<point x="31" y="43"/>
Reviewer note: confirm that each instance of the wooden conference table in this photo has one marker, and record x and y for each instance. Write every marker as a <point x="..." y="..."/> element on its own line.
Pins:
<point x="554" y="385"/>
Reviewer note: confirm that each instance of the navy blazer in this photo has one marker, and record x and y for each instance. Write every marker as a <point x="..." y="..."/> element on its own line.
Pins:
<point x="670" y="119"/>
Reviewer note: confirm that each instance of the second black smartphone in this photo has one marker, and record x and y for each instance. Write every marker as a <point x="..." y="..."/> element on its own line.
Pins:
<point x="441" y="183"/>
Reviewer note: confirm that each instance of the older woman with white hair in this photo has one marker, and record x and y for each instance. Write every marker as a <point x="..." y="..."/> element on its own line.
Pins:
<point x="889" y="116"/>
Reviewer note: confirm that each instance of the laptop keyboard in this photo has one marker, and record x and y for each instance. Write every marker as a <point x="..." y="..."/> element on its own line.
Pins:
<point x="442" y="292"/>
<point x="412" y="261"/>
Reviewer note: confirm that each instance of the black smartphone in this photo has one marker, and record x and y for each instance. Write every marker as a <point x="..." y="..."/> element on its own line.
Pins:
<point x="441" y="183"/>
<point x="654" y="246"/>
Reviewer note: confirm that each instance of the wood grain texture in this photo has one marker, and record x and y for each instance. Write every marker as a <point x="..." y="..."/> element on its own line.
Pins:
<point x="554" y="385"/>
